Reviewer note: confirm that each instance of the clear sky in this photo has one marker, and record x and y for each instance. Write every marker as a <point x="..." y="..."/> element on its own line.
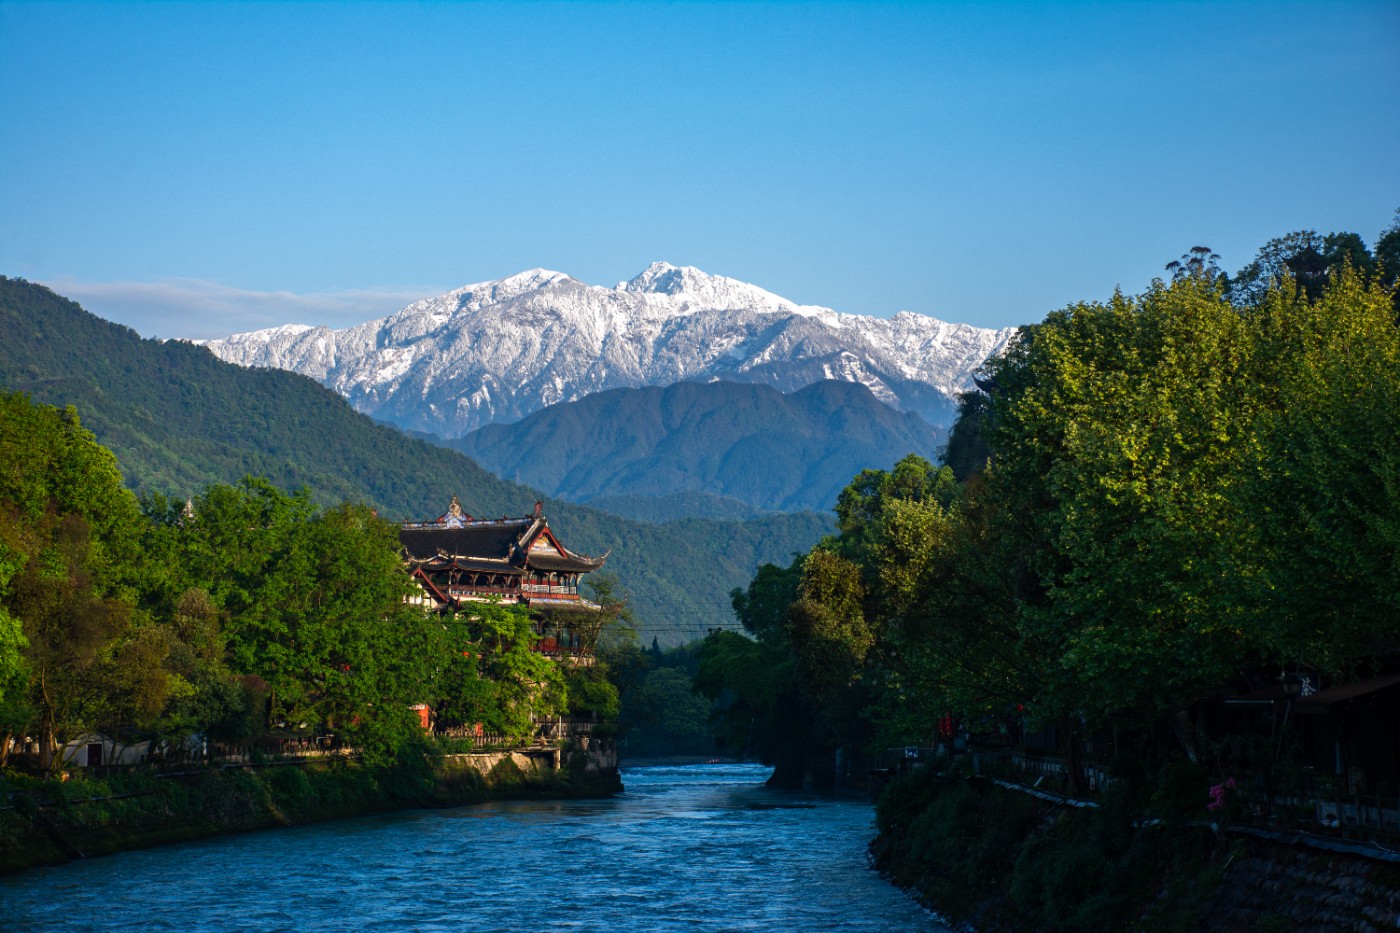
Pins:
<point x="199" y="169"/>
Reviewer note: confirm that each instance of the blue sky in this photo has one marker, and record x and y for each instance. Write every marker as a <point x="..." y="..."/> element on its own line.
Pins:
<point x="198" y="169"/>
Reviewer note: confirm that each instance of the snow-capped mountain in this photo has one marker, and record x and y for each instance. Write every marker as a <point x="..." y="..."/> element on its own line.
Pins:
<point x="497" y="351"/>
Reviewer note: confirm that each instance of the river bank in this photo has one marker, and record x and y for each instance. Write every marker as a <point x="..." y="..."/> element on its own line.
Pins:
<point x="998" y="860"/>
<point x="682" y="848"/>
<point x="51" y="822"/>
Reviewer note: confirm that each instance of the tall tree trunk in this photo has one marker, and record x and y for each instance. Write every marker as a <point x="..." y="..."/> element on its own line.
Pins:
<point x="47" y="728"/>
<point x="47" y="741"/>
<point x="1185" y="733"/>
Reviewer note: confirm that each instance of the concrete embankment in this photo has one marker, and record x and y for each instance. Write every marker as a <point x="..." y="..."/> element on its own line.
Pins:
<point x="51" y="823"/>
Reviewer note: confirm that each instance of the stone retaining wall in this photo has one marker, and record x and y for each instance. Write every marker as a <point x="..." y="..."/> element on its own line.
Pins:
<point x="1274" y="886"/>
<point x="594" y="756"/>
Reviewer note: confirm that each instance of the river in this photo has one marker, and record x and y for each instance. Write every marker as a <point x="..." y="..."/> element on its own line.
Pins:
<point x="682" y="848"/>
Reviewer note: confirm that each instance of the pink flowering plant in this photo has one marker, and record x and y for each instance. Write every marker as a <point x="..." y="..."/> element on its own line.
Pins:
<point x="1220" y="794"/>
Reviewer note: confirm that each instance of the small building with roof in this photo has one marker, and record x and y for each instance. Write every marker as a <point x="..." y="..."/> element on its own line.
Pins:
<point x="457" y="559"/>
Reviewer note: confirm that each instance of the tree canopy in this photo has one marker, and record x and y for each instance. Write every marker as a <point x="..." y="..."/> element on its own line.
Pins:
<point x="241" y="610"/>
<point x="1158" y="495"/>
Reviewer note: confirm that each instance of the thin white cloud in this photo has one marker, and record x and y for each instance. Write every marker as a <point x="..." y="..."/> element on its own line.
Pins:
<point x="198" y="309"/>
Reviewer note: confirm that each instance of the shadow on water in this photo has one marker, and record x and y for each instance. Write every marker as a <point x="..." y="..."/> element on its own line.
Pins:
<point x="683" y="847"/>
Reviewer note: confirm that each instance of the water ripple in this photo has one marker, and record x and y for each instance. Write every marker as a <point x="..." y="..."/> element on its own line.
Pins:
<point x="683" y="848"/>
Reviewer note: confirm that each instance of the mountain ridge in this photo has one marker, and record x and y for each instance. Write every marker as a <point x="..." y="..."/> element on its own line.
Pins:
<point x="736" y="441"/>
<point x="179" y="419"/>
<point x="500" y="350"/>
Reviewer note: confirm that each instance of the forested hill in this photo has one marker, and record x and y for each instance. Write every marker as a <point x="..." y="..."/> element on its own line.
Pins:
<point x="178" y="419"/>
<point x="752" y="443"/>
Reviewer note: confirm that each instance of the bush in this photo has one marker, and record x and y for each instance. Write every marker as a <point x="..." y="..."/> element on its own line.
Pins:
<point x="998" y="859"/>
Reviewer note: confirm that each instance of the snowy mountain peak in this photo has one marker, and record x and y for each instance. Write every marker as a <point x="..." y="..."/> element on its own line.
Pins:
<point x="500" y="350"/>
<point x="693" y="288"/>
<point x="662" y="278"/>
<point x="531" y="279"/>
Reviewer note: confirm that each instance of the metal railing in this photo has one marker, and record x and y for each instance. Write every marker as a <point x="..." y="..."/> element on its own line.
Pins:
<point x="545" y="733"/>
<point x="1318" y="806"/>
<point x="270" y="749"/>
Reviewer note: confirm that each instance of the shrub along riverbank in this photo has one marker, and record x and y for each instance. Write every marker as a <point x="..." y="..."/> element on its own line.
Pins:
<point x="48" y="822"/>
<point x="997" y="859"/>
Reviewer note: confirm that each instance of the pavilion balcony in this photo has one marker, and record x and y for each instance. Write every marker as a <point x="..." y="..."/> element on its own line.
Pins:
<point x="458" y="591"/>
<point x="542" y="589"/>
<point x="575" y="657"/>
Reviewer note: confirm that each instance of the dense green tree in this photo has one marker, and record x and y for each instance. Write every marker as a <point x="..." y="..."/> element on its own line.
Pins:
<point x="1125" y="425"/>
<point x="1178" y="490"/>
<point x="758" y="710"/>
<point x="661" y="711"/>
<point x="1309" y="259"/>
<point x="1322" y="484"/>
<point x="71" y="629"/>
<point x="968" y="450"/>
<point x="130" y="690"/>
<point x="1387" y="255"/>
<point x="68" y="550"/>
<point x="494" y="676"/>
<point x="14" y="669"/>
<point x="752" y="681"/>
<point x="14" y="676"/>
<point x="762" y="607"/>
<point x="590" y="690"/>
<point x="209" y="698"/>
<point x="1201" y="263"/>
<point x="827" y="627"/>
<point x="668" y="702"/>
<point x="953" y="583"/>
<point x="860" y="506"/>
<point x="311" y="602"/>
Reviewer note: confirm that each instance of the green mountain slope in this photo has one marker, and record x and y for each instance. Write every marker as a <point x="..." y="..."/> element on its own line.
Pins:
<point x="179" y="419"/>
<point x="773" y="451"/>
<point x="664" y="508"/>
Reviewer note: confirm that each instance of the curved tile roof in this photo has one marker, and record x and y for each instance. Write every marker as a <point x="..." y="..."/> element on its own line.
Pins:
<point x="491" y="545"/>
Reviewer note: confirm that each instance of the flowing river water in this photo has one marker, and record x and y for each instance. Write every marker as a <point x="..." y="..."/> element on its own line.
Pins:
<point x="682" y="848"/>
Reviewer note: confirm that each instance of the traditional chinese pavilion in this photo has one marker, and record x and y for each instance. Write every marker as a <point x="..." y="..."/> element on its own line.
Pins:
<point x="456" y="558"/>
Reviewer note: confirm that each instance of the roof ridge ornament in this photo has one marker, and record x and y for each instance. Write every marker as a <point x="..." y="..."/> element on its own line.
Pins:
<point x="455" y="517"/>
